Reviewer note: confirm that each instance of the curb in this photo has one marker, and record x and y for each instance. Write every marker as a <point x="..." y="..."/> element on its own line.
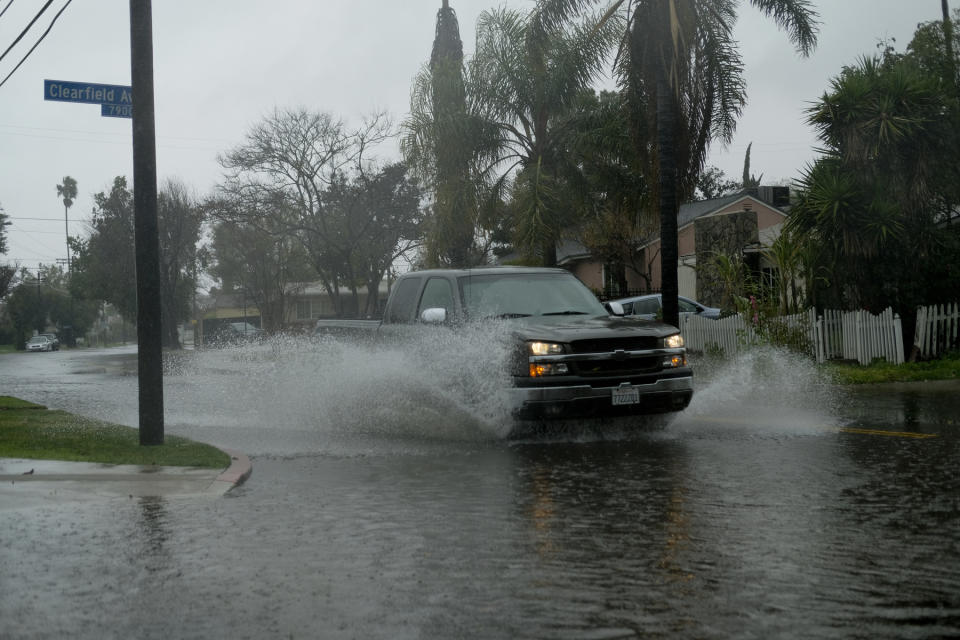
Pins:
<point x="239" y="470"/>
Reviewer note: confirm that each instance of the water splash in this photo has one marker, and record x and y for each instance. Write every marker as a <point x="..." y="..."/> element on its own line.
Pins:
<point x="766" y="390"/>
<point x="432" y="385"/>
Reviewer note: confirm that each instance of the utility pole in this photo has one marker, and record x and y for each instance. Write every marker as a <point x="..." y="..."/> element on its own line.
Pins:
<point x="149" y="339"/>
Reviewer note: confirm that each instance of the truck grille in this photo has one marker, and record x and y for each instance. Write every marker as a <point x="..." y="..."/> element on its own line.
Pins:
<point x="609" y="345"/>
<point x="618" y="367"/>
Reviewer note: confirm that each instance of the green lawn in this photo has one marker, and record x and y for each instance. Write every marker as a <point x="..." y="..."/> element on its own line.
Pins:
<point x="946" y="368"/>
<point x="32" y="431"/>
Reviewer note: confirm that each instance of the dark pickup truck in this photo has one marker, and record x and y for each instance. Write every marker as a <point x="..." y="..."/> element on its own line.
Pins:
<point x="574" y="356"/>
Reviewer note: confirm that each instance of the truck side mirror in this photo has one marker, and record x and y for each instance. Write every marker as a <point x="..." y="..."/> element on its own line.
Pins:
<point x="614" y="308"/>
<point x="433" y="315"/>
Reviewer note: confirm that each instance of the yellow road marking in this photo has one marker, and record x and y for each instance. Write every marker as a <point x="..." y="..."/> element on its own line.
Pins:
<point x="880" y="432"/>
<point x="866" y="432"/>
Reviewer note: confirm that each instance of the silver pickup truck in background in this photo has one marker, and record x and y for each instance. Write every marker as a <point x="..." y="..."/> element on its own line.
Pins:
<point x="573" y="356"/>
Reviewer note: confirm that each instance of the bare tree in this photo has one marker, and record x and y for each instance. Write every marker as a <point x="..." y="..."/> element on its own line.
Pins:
<point x="306" y="160"/>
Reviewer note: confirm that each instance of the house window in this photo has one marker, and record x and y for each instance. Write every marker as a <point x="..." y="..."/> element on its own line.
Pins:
<point x="610" y="285"/>
<point x="303" y="310"/>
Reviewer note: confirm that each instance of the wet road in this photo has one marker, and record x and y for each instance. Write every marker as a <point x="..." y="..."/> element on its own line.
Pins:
<point x="386" y="503"/>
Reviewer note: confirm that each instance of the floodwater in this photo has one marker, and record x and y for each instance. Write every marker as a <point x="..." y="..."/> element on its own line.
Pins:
<point x="387" y="501"/>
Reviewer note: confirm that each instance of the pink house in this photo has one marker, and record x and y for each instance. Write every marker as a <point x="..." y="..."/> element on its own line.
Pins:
<point x="742" y="223"/>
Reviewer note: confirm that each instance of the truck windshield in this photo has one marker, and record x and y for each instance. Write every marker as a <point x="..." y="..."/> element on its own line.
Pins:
<point x="512" y="295"/>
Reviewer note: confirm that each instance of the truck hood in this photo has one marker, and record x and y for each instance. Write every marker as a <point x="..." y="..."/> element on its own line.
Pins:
<point x="574" y="327"/>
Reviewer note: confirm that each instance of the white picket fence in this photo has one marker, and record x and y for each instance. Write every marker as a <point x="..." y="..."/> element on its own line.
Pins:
<point x="938" y="329"/>
<point x="850" y="335"/>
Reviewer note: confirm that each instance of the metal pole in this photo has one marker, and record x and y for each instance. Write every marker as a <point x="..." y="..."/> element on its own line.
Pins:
<point x="149" y="350"/>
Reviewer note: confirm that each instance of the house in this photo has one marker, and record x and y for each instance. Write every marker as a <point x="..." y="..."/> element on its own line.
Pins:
<point x="220" y="309"/>
<point x="310" y="301"/>
<point x="738" y="224"/>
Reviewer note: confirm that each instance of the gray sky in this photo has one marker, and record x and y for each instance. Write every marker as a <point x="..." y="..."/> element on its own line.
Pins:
<point x="220" y="65"/>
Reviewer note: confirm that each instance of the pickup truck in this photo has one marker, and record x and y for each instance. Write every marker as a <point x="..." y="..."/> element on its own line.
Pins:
<point x="574" y="357"/>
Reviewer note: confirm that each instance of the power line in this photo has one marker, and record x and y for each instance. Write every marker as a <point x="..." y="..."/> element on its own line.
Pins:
<point x="24" y="32"/>
<point x="52" y="22"/>
<point x="5" y="8"/>
<point x="45" y="219"/>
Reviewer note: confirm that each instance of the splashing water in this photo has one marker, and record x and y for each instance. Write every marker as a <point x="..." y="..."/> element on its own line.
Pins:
<point x="766" y="389"/>
<point x="433" y="385"/>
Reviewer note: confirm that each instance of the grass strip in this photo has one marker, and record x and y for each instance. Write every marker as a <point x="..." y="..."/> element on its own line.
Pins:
<point x="947" y="368"/>
<point x="34" y="432"/>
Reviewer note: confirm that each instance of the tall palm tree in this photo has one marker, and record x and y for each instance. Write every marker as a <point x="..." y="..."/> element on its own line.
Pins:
<point x="527" y="75"/>
<point x="68" y="191"/>
<point x="680" y="65"/>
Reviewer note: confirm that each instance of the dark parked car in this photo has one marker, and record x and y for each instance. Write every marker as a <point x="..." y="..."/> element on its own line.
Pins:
<point x="648" y="307"/>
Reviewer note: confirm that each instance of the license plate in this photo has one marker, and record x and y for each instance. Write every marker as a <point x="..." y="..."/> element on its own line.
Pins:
<point x="626" y="395"/>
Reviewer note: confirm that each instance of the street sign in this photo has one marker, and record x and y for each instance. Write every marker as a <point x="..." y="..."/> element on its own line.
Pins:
<point x="116" y="110"/>
<point x="115" y="100"/>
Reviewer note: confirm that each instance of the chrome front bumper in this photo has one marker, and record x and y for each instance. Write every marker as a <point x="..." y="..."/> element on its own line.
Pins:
<point x="668" y="394"/>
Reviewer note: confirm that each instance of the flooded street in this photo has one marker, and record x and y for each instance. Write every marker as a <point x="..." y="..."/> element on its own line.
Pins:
<point x="387" y="501"/>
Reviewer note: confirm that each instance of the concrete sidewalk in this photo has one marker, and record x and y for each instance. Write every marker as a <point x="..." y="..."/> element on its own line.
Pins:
<point x="31" y="482"/>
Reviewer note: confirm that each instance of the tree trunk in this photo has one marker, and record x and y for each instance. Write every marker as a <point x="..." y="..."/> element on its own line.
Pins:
<point x="948" y="43"/>
<point x="667" y="185"/>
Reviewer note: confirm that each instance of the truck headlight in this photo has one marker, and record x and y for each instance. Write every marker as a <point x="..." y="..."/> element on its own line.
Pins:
<point x="538" y="369"/>
<point x="673" y="342"/>
<point x="545" y="348"/>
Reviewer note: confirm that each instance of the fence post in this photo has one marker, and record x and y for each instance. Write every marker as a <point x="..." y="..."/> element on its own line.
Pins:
<point x="898" y="337"/>
<point x="918" y="333"/>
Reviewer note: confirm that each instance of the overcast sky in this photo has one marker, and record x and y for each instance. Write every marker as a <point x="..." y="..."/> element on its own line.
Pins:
<point x="221" y="65"/>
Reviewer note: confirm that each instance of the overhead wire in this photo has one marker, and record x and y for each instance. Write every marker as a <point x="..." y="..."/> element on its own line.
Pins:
<point x="24" y="32"/>
<point x="5" y="8"/>
<point x="52" y="22"/>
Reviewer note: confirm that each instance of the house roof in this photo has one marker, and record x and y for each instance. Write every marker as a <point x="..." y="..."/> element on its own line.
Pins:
<point x="571" y="250"/>
<point x="693" y="210"/>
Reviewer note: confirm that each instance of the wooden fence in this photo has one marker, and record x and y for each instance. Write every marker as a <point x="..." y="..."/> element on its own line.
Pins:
<point x="938" y="330"/>
<point x="849" y="335"/>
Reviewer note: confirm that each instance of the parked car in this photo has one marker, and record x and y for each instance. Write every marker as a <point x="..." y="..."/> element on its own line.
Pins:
<point x="237" y="333"/>
<point x="54" y="339"/>
<point x="39" y="343"/>
<point x="648" y="307"/>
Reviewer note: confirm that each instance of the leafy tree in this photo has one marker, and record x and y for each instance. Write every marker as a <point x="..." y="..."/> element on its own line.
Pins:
<point x="380" y="216"/>
<point x="713" y="183"/>
<point x="608" y="187"/>
<point x="4" y="223"/>
<point x="253" y="253"/>
<point x="105" y="262"/>
<point x="680" y="68"/>
<point x="875" y="201"/>
<point x="180" y="219"/>
<point x="7" y="271"/>
<point x="42" y="302"/>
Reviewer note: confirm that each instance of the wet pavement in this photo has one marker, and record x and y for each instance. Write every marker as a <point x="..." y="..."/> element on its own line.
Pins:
<point x="776" y="506"/>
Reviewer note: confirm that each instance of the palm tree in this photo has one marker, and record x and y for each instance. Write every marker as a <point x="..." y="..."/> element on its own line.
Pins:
<point x="528" y="70"/>
<point x="68" y="191"/>
<point x="680" y="66"/>
<point x="527" y="75"/>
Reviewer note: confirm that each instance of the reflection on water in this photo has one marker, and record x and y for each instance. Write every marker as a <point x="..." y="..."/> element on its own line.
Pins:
<point x="751" y="515"/>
